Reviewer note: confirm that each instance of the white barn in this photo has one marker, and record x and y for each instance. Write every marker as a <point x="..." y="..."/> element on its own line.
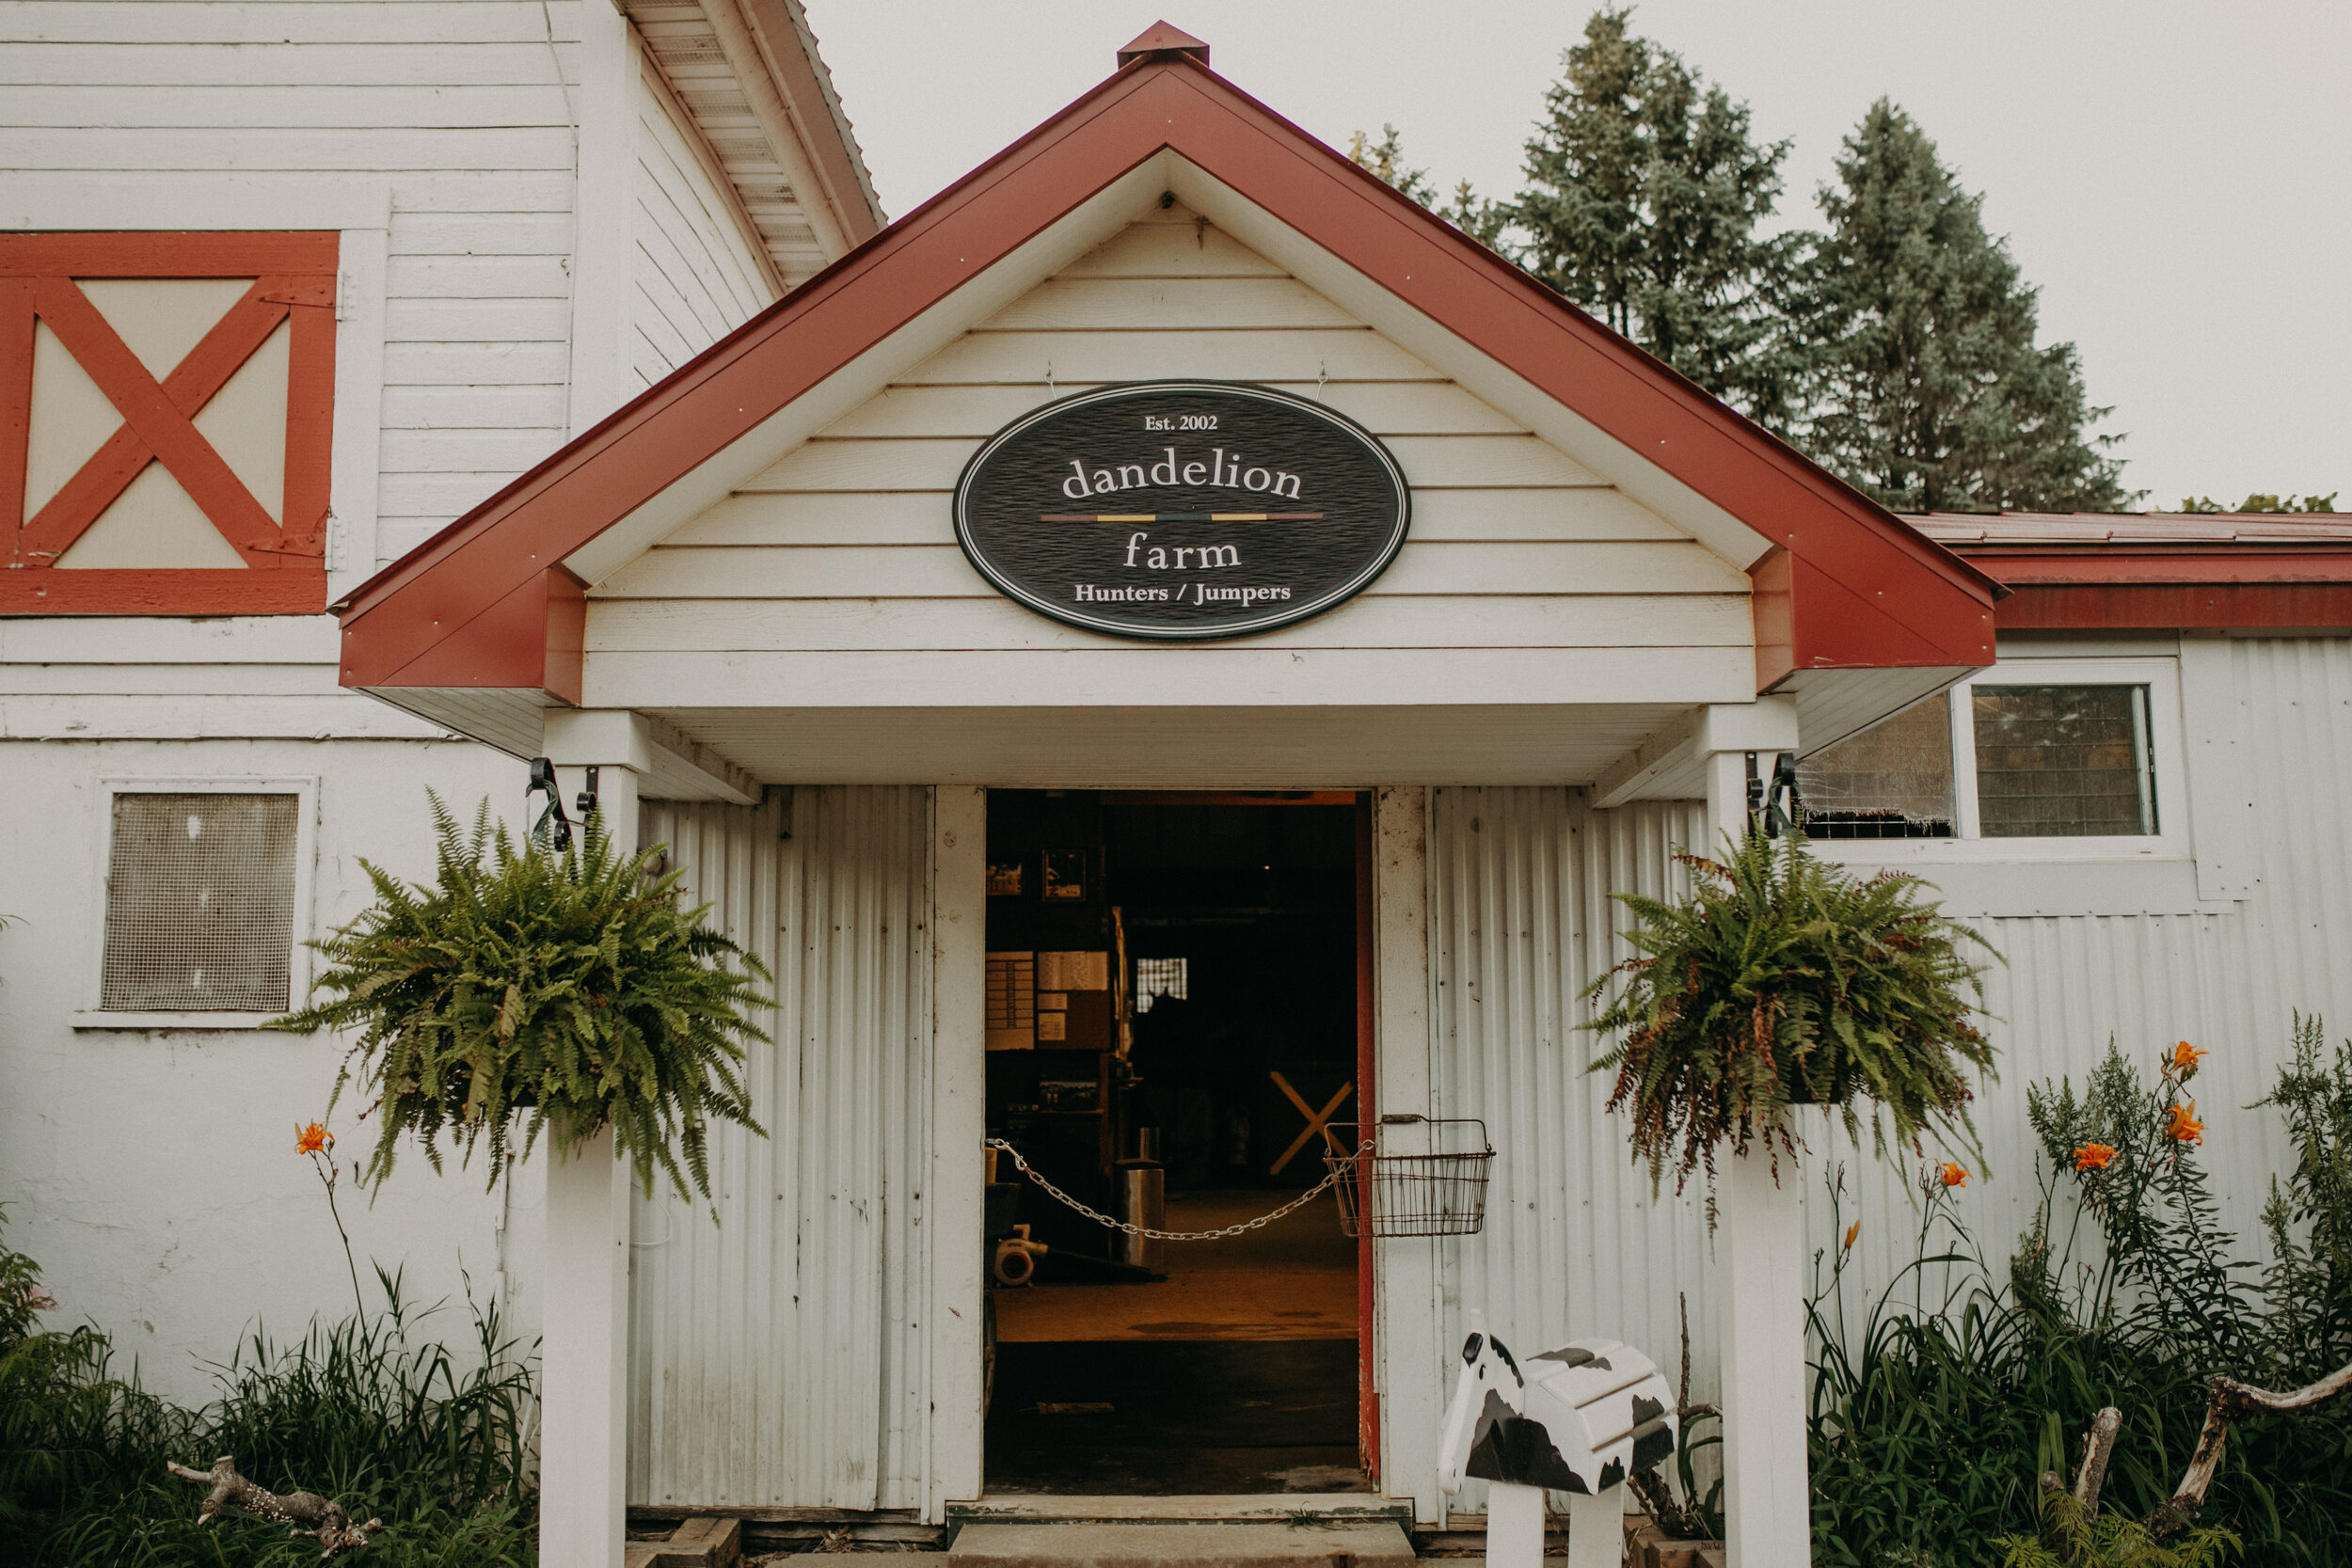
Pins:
<point x="377" y="261"/>
<point x="745" y="599"/>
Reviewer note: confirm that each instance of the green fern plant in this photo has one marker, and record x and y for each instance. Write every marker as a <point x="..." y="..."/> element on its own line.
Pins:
<point x="571" y="989"/>
<point x="2071" y="1538"/>
<point x="1785" y="980"/>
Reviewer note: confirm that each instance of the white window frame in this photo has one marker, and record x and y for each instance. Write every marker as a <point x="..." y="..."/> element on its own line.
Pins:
<point x="2171" y="842"/>
<point x="306" y="790"/>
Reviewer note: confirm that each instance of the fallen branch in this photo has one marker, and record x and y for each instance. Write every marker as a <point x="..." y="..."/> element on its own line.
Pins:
<point x="2233" y="1401"/>
<point x="330" y="1526"/>
<point x="2098" y="1446"/>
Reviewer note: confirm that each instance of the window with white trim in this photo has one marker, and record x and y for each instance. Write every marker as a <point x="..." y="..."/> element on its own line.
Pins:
<point x="206" y="881"/>
<point x="2047" y="757"/>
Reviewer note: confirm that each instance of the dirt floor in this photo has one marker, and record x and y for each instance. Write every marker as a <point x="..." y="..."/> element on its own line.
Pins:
<point x="1294" y="1279"/>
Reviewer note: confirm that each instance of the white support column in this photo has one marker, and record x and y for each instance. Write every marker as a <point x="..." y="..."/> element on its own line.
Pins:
<point x="959" y="1124"/>
<point x="1407" y="1360"/>
<point x="583" y="1357"/>
<point x="1759" y="1243"/>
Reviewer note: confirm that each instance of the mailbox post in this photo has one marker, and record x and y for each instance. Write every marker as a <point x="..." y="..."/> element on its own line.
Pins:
<point x="1577" y="1419"/>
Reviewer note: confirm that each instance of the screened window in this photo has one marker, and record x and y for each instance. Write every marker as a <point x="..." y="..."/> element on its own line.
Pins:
<point x="1158" y="977"/>
<point x="2063" y="762"/>
<point x="1891" y="781"/>
<point x="2014" y="755"/>
<point x="201" y="903"/>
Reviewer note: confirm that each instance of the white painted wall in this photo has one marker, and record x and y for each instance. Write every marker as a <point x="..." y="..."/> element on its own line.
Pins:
<point x="153" y="1173"/>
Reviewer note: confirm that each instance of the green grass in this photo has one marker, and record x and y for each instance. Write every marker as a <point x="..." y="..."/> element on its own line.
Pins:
<point x="369" y="1411"/>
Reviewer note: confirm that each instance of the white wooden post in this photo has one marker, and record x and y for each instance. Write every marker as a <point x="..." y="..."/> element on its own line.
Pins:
<point x="1597" y="1529"/>
<point x="583" y="1356"/>
<point x="1413" y="1367"/>
<point x="959" y="1126"/>
<point x="1760" y="1241"/>
<point x="1515" y="1525"/>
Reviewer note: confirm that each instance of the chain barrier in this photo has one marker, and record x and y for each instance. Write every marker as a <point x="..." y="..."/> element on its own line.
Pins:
<point x="1344" y="1168"/>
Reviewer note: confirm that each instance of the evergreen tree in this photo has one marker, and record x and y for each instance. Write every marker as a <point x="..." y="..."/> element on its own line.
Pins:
<point x="1934" y="395"/>
<point x="1481" y="221"/>
<point x="1645" y="189"/>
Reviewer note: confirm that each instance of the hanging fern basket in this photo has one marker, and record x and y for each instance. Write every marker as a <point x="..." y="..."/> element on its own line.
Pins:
<point x="1785" y="980"/>
<point x="565" y="993"/>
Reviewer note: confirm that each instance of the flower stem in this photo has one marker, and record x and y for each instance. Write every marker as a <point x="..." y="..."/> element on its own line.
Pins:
<point x="328" y="1181"/>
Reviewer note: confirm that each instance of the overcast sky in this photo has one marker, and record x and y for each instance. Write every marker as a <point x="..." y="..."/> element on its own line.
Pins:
<point x="2176" y="175"/>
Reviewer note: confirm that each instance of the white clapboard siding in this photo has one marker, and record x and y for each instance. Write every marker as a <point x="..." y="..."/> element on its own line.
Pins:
<point x="696" y="276"/>
<point x="908" y="464"/>
<point x="920" y="518"/>
<point x="941" y="571"/>
<point x="414" y="365"/>
<point x="1394" y="408"/>
<point x="1178" y="244"/>
<point x="1165" y="305"/>
<point x="1355" y="354"/>
<point x="846" y="543"/>
<point x="475" y="406"/>
<point x="266" y="63"/>
<point x="818" y="625"/>
<point x="334" y="22"/>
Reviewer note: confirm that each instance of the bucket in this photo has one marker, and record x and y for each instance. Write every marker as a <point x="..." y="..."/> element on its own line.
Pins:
<point x="1143" y="1200"/>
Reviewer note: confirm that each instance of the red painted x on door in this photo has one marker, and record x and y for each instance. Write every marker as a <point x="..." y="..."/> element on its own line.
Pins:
<point x="283" y="565"/>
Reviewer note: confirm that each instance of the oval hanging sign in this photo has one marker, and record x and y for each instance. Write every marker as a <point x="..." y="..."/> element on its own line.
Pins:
<point x="1175" y="510"/>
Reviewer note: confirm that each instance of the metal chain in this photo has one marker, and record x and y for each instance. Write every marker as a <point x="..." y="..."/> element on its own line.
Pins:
<point x="1342" y="1168"/>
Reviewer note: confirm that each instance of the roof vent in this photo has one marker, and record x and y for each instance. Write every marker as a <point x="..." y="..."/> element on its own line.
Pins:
<point x="1161" y="39"/>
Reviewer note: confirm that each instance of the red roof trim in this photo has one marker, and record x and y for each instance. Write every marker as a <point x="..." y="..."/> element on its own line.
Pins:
<point x="2208" y="585"/>
<point x="2178" y="607"/>
<point x="1923" y="605"/>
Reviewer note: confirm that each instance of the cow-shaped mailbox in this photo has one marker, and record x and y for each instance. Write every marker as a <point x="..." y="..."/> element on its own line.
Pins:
<point x="1577" y="1420"/>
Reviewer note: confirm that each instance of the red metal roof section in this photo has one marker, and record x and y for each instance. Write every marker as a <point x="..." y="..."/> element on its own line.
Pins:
<point x="1161" y="38"/>
<point x="1859" y="588"/>
<point x="2092" y="571"/>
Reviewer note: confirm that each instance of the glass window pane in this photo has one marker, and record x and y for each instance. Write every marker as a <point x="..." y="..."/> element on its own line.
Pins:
<point x="2064" y="761"/>
<point x="1894" y="780"/>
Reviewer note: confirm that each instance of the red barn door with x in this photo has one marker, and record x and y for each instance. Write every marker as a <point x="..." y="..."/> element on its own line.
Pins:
<point x="166" y="420"/>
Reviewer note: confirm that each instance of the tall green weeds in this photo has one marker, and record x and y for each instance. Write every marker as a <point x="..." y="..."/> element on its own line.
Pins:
<point x="367" y="1411"/>
<point x="1935" y="1410"/>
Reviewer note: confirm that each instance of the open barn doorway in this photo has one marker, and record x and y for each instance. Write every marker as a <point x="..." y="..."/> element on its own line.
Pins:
<point x="1177" y="997"/>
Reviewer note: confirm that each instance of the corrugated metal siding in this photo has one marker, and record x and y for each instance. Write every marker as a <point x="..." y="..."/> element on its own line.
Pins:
<point x="1519" y="922"/>
<point x="777" y="1358"/>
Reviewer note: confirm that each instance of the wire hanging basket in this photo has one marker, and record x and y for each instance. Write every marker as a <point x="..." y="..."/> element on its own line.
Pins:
<point x="1441" y="1191"/>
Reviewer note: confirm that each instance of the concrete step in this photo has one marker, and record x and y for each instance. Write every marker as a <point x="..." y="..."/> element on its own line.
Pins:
<point x="1302" y="1545"/>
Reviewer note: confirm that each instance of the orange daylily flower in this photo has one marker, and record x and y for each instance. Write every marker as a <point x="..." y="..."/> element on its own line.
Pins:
<point x="2182" y="1126"/>
<point x="1952" y="1175"/>
<point x="2094" y="1156"/>
<point x="313" y="1139"/>
<point x="2184" y="1059"/>
<point x="1851" y="1231"/>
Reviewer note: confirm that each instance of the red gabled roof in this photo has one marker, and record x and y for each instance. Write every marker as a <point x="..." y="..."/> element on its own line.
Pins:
<point x="1846" y="585"/>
